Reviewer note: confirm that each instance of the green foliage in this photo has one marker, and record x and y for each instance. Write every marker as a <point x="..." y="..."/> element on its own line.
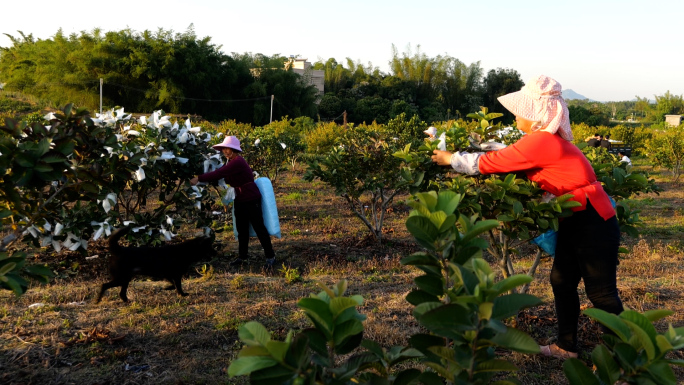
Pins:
<point x="77" y="178"/>
<point x="323" y="137"/>
<point x="458" y="303"/>
<point x="363" y="171"/>
<point x="9" y="104"/>
<point x="499" y="82"/>
<point x="458" y="300"/>
<point x="14" y="272"/>
<point x="291" y="274"/>
<point x="591" y="115"/>
<point x="518" y="204"/>
<point x="635" y="353"/>
<point x="666" y="149"/>
<point x="406" y="130"/>
<point x="265" y="152"/>
<point x="150" y="70"/>
<point x="315" y="355"/>
<point x="620" y="182"/>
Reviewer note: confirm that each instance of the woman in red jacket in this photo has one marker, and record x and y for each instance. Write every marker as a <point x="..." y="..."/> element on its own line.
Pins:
<point x="247" y="203"/>
<point x="588" y="241"/>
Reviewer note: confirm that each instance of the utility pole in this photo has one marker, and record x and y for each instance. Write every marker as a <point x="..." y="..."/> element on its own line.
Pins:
<point x="100" y="96"/>
<point x="271" y="109"/>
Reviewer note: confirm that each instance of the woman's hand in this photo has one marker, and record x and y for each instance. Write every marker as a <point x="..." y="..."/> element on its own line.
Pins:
<point x="194" y="181"/>
<point x="442" y="158"/>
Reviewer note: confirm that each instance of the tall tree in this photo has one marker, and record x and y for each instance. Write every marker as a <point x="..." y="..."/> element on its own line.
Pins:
<point x="498" y="82"/>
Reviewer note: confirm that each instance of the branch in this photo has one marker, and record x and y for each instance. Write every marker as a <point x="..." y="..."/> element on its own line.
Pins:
<point x="532" y="270"/>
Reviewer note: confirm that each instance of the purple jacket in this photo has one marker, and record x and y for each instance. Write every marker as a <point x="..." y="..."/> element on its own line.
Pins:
<point x="238" y="175"/>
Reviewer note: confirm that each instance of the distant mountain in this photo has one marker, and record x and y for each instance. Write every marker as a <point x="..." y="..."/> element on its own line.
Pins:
<point x="570" y="94"/>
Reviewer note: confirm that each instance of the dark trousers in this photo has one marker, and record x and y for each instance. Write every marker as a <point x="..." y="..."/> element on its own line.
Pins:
<point x="246" y="213"/>
<point x="587" y="249"/>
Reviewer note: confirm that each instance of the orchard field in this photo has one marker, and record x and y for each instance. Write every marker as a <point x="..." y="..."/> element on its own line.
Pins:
<point x="430" y="257"/>
<point x="161" y="338"/>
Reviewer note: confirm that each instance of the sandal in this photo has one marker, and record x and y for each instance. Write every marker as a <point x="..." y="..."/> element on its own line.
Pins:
<point x="554" y="351"/>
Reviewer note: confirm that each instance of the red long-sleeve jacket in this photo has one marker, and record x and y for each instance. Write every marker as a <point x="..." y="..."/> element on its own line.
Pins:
<point x="557" y="165"/>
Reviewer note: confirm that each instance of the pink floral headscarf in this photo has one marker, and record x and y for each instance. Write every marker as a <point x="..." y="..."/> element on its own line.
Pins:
<point x="540" y="101"/>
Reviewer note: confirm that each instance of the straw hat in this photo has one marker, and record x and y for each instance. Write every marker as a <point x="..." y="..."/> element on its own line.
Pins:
<point x="229" y="142"/>
<point x="541" y="101"/>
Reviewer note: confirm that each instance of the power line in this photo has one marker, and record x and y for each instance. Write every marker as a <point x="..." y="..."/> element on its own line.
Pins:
<point x="24" y="85"/>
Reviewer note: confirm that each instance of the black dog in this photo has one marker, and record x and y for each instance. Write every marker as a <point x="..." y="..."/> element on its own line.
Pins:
<point x="167" y="262"/>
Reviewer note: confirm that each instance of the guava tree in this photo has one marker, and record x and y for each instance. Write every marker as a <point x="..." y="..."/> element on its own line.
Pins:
<point x="666" y="149"/>
<point x="72" y="180"/>
<point x="520" y="206"/>
<point x="363" y="171"/>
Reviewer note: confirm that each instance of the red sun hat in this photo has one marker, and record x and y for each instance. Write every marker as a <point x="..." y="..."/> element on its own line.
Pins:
<point x="229" y="142"/>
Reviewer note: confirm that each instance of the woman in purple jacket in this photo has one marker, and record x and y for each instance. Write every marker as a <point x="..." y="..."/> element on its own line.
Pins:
<point x="247" y="203"/>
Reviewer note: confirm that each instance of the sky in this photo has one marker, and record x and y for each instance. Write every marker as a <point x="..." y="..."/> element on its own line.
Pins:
<point x="605" y="50"/>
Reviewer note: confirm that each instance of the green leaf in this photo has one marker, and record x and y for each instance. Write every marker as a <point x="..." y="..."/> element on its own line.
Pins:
<point x="448" y="223"/>
<point x="430" y="284"/>
<point x="14" y="284"/>
<point x="346" y="330"/>
<point x="318" y="310"/>
<point x="611" y="321"/>
<point x="578" y="373"/>
<point x="423" y="230"/>
<point x="511" y="282"/>
<point x="642" y="335"/>
<point x="448" y="201"/>
<point x="663" y="344"/>
<point x="448" y="320"/>
<point x="407" y="377"/>
<point x="277" y="349"/>
<point x="339" y="304"/>
<point x="510" y="304"/>
<point x="662" y="373"/>
<point x="416" y="297"/>
<point x="428" y="199"/>
<point x="42" y="167"/>
<point x="347" y="345"/>
<point x="43" y="147"/>
<point x="627" y="356"/>
<point x="437" y="218"/>
<point x="272" y="375"/>
<point x="247" y="365"/>
<point x="7" y="267"/>
<point x="608" y="370"/>
<point x="254" y="334"/>
<point x="479" y="228"/>
<point x="516" y="340"/>
<point x="317" y="341"/>
<point x="517" y="207"/>
<point x="54" y="157"/>
<point x="655" y="315"/>
<point x="5" y="213"/>
<point x="421" y="259"/>
<point x="495" y="365"/>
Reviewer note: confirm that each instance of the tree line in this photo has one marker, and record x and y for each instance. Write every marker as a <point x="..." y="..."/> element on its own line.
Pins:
<point x="181" y="73"/>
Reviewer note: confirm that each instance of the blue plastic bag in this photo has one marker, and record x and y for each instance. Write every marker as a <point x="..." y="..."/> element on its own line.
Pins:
<point x="269" y="209"/>
<point x="547" y="242"/>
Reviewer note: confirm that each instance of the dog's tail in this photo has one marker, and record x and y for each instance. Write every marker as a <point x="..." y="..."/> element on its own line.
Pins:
<point x="114" y="238"/>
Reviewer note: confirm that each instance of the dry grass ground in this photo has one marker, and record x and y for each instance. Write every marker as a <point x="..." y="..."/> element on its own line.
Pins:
<point x="161" y="338"/>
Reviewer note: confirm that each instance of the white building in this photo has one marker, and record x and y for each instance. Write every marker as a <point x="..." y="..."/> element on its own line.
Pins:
<point x="311" y="76"/>
<point x="673" y="120"/>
